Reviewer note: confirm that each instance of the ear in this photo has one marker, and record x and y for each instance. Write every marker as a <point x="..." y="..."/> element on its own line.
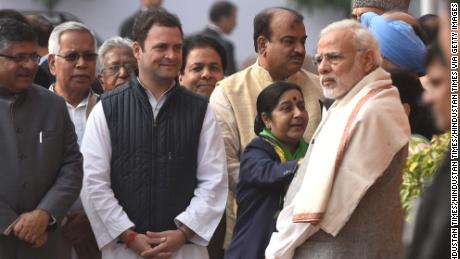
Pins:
<point x="137" y="49"/>
<point x="52" y="64"/>
<point x="266" y="120"/>
<point x="368" y="60"/>
<point x="262" y="43"/>
<point x="407" y="108"/>
<point x="181" y="76"/>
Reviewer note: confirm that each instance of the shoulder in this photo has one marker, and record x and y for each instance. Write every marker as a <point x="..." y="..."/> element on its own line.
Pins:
<point x="308" y="81"/>
<point x="184" y="93"/>
<point x="237" y="80"/>
<point x="259" y="144"/>
<point x="45" y="95"/>
<point x="123" y="89"/>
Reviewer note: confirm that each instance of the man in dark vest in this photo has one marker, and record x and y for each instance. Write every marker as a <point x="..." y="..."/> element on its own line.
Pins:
<point x="155" y="171"/>
<point x="41" y="167"/>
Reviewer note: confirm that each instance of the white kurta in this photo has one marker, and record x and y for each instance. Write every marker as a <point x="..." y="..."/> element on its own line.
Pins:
<point x="107" y="217"/>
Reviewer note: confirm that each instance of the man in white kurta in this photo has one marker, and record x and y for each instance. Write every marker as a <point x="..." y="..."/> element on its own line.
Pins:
<point x="348" y="204"/>
<point x="111" y="221"/>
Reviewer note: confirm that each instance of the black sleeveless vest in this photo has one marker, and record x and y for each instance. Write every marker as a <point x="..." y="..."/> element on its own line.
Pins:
<point x="154" y="161"/>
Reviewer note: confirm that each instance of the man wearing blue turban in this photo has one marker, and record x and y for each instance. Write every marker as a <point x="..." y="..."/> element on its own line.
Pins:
<point x="399" y="44"/>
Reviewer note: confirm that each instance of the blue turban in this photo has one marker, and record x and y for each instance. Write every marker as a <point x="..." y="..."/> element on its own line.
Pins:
<point x="398" y="42"/>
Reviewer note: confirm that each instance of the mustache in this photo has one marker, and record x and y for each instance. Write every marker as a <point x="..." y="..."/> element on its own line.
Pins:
<point x="327" y="78"/>
<point x="26" y="72"/>
<point x="297" y="56"/>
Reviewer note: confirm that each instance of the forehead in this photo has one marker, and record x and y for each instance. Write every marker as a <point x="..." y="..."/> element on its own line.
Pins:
<point x="75" y="39"/>
<point x="284" y="23"/>
<point x="336" y="41"/>
<point x="118" y="53"/>
<point x="20" y="47"/>
<point x="164" y="34"/>
<point x="291" y="95"/>
<point x="203" y="54"/>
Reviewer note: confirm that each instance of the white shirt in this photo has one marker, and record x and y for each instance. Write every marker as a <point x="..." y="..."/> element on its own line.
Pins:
<point x="77" y="115"/>
<point x="107" y="217"/>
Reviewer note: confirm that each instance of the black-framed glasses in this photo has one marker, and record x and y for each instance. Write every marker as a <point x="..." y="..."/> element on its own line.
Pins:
<point x="22" y="58"/>
<point x="115" y="69"/>
<point x="74" y="56"/>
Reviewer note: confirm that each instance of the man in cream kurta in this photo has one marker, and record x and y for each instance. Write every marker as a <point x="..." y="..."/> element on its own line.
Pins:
<point x="348" y="205"/>
<point x="280" y="45"/>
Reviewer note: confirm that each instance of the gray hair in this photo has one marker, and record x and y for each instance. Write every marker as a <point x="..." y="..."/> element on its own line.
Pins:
<point x="362" y="37"/>
<point x="109" y="44"/>
<point x="54" y="45"/>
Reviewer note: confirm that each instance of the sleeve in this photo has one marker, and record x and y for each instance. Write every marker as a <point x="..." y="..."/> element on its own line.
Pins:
<point x="67" y="186"/>
<point x="227" y="122"/>
<point x="258" y="168"/>
<point x="107" y="217"/>
<point x="210" y="196"/>
<point x="290" y="235"/>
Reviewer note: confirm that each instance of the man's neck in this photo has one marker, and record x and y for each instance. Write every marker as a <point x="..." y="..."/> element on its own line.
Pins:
<point x="156" y="87"/>
<point x="275" y="76"/>
<point x="71" y="97"/>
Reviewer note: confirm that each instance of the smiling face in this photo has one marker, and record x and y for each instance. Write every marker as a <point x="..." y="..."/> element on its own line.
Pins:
<point x="202" y="71"/>
<point x="284" y="53"/>
<point x="161" y="57"/>
<point x="78" y="75"/>
<point x="289" y="119"/>
<point x="339" y="63"/>
<point x="18" y="76"/>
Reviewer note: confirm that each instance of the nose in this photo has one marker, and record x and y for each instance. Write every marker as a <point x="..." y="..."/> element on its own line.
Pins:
<point x="300" y="48"/>
<point x="81" y="62"/>
<point x="206" y="73"/>
<point x="324" y="67"/>
<point x="123" y="72"/>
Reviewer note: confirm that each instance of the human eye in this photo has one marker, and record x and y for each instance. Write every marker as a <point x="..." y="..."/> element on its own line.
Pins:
<point x="317" y="59"/>
<point x="334" y="57"/>
<point x="71" y="56"/>
<point x="196" y="68"/>
<point x="301" y="106"/>
<point x="287" y="41"/>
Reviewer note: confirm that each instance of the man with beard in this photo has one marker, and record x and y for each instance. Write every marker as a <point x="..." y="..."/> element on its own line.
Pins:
<point x="279" y="40"/>
<point x="346" y="193"/>
<point x="41" y="166"/>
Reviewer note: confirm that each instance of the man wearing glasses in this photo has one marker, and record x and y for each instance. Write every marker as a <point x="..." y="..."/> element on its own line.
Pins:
<point x="116" y="63"/>
<point x="41" y="167"/>
<point x="72" y="60"/>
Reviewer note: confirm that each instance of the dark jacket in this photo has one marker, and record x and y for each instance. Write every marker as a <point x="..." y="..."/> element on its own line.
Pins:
<point x="154" y="160"/>
<point x="40" y="164"/>
<point x="263" y="183"/>
<point x="228" y="46"/>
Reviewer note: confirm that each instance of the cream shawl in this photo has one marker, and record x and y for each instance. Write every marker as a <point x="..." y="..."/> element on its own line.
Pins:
<point x="353" y="145"/>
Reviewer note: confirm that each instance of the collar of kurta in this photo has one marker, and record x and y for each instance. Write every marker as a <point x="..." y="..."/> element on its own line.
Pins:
<point x="89" y="101"/>
<point x="356" y="139"/>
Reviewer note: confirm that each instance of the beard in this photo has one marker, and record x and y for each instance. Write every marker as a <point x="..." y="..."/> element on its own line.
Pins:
<point x="335" y="87"/>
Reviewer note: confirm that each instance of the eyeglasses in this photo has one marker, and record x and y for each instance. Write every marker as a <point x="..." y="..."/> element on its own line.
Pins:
<point x="333" y="58"/>
<point x="115" y="69"/>
<point x="22" y="58"/>
<point x="74" y="56"/>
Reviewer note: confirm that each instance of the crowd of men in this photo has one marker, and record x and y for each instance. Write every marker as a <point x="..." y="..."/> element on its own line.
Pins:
<point x="132" y="149"/>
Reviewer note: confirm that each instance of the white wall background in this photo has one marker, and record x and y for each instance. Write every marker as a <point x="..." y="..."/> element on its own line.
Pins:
<point x="105" y="16"/>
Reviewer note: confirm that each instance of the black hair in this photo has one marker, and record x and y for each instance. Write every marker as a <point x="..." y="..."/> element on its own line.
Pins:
<point x="434" y="53"/>
<point x="430" y="32"/>
<point x="146" y="19"/>
<point x="410" y="92"/>
<point x="13" y="14"/>
<point x="201" y="41"/>
<point x="262" y="23"/>
<point x="221" y="9"/>
<point x="12" y="30"/>
<point x="268" y="99"/>
<point x="42" y="28"/>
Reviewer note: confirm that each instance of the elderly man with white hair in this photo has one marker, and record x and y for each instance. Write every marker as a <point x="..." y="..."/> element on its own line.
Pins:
<point x="116" y="62"/>
<point x="344" y="201"/>
<point x="72" y="59"/>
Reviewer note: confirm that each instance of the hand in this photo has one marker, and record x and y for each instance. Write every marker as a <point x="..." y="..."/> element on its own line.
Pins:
<point x="41" y="240"/>
<point x="174" y="240"/>
<point x="141" y="242"/>
<point x="31" y="226"/>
